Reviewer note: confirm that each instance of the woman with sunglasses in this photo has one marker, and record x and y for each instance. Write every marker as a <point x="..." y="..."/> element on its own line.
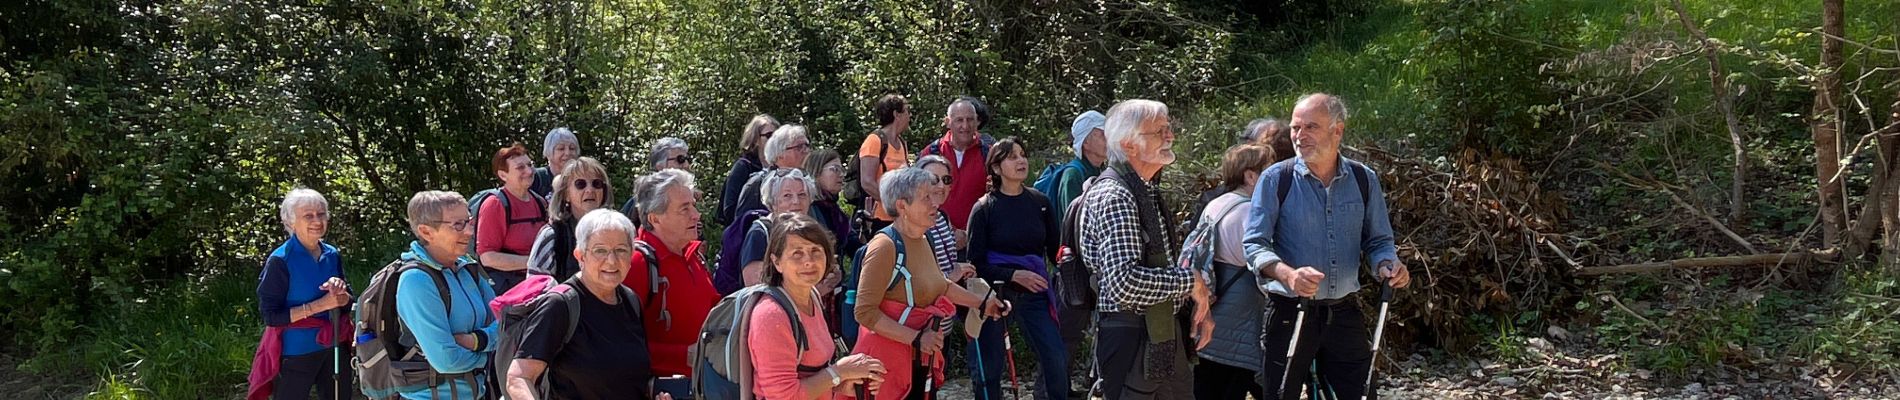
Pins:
<point x="580" y="188"/>
<point x="667" y="153"/>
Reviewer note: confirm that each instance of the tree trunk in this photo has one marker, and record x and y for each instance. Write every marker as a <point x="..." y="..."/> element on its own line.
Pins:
<point x="1718" y="83"/>
<point x="1824" y="122"/>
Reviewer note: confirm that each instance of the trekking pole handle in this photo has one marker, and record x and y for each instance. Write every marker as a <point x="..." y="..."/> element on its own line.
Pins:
<point x="1385" y="292"/>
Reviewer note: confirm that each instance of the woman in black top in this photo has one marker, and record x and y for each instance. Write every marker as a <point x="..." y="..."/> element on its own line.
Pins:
<point x="605" y="357"/>
<point x="751" y="142"/>
<point x="1012" y="234"/>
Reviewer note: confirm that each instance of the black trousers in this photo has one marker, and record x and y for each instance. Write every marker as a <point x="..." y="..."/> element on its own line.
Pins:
<point x="1334" y="342"/>
<point x="1216" y="381"/>
<point x="296" y="375"/>
<point x="1074" y="324"/>
<point x="1121" y="342"/>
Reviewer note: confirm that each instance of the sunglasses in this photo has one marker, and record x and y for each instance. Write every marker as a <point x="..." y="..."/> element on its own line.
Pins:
<point x="682" y="159"/>
<point x="583" y="184"/>
<point x="944" y="179"/>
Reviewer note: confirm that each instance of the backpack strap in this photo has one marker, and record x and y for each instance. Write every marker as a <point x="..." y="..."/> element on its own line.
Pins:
<point x="900" y="270"/>
<point x="1360" y="174"/>
<point x="778" y="295"/>
<point x="654" y="281"/>
<point x="442" y="291"/>
<point x="1215" y="242"/>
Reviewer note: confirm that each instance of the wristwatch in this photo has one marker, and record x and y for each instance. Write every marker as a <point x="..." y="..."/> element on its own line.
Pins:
<point x="835" y="379"/>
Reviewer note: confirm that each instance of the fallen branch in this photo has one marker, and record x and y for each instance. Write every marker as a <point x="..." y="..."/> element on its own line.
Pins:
<point x="1651" y="184"/>
<point x="1711" y="262"/>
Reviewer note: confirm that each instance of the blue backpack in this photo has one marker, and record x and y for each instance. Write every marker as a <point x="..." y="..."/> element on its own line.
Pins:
<point x="1050" y="176"/>
<point x="847" y="321"/>
<point x="729" y="273"/>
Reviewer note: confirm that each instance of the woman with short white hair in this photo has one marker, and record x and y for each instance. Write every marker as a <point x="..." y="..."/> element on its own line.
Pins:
<point x="299" y="295"/>
<point x="559" y="147"/>
<point x="791" y="192"/>
<point x="786" y="150"/>
<point x="605" y="356"/>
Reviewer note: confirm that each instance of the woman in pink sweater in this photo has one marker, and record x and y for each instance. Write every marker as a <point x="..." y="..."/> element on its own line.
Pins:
<point x="798" y="254"/>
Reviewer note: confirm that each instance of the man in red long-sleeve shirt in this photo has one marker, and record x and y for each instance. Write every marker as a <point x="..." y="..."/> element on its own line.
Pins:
<point x="671" y="225"/>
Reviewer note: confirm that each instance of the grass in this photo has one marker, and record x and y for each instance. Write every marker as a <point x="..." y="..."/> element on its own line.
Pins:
<point x="195" y="340"/>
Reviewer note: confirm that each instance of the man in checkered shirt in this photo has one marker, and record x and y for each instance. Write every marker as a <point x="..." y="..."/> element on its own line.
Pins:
<point x="1141" y="346"/>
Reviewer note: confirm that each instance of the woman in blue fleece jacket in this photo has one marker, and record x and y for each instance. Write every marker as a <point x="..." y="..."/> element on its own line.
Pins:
<point x="458" y="337"/>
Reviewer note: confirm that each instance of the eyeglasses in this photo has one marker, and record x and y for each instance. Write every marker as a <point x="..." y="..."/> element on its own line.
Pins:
<point x="946" y="179"/>
<point x="457" y="225"/>
<point x="681" y="159"/>
<point x="582" y="184"/>
<point x="315" y="217"/>
<point x="798" y="147"/>
<point x="605" y="253"/>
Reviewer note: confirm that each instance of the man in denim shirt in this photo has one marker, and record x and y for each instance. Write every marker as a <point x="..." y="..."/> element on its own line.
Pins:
<point x="1317" y="218"/>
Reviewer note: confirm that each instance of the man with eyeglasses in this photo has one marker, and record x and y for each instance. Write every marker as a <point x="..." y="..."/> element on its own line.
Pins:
<point x="685" y="294"/>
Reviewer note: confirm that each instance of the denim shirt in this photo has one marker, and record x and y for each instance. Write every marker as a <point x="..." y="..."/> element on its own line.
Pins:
<point x="1327" y="227"/>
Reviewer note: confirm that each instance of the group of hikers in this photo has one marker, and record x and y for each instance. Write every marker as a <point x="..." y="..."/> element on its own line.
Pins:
<point x="845" y="276"/>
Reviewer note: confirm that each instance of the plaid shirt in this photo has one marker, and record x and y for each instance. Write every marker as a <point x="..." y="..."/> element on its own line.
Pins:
<point x="1112" y="248"/>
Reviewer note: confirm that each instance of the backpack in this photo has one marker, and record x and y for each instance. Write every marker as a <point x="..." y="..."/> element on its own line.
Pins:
<point x="848" y="321"/>
<point x="387" y="360"/>
<point x="729" y="274"/>
<point x="1076" y="283"/>
<point x="656" y="284"/>
<point x="853" y="184"/>
<point x="1197" y="253"/>
<point x="508" y="213"/>
<point x="520" y="302"/>
<point x="722" y="355"/>
<point x="1051" y="176"/>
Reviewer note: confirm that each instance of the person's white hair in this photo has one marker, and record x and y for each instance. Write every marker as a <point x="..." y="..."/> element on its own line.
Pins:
<point x="428" y="206"/>
<point x="298" y="199"/>
<point x="599" y="221"/>
<point x="555" y="137"/>
<point x="1335" y="107"/>
<point x="775" y="180"/>
<point x="905" y="184"/>
<point x="660" y="148"/>
<point x="1124" y="124"/>
<point x="781" y="139"/>
<point x="650" y="191"/>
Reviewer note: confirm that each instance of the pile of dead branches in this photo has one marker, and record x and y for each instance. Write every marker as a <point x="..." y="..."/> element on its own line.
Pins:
<point x="1480" y="237"/>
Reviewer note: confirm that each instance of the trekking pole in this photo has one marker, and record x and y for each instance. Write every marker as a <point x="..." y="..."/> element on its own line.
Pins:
<point x="1299" y="319"/>
<point x="979" y="385"/>
<point x="1385" y="301"/>
<point x="1009" y="353"/>
<point x="336" y="355"/>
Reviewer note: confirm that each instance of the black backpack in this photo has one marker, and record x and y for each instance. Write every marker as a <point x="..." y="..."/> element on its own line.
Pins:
<point x="507" y="210"/>
<point x="853" y="185"/>
<point x="1075" y="283"/>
